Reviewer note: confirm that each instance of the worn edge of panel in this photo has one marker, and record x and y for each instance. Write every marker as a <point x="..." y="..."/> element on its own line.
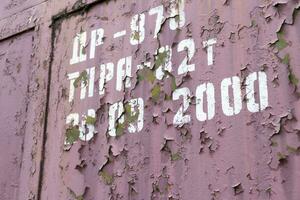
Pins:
<point x="16" y="11"/>
<point x="15" y="29"/>
<point x="26" y="30"/>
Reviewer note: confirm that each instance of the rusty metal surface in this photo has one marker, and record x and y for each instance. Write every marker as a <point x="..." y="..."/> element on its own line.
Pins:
<point x="159" y="99"/>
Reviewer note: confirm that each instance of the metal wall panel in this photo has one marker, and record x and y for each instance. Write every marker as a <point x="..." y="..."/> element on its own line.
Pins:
<point x="213" y="120"/>
<point x="160" y="99"/>
<point x="23" y="72"/>
<point x="15" y="70"/>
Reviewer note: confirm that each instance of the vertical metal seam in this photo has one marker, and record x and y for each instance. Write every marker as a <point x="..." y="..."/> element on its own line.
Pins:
<point x="44" y="136"/>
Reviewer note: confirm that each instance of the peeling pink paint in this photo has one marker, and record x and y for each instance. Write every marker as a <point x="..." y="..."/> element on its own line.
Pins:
<point x="155" y="100"/>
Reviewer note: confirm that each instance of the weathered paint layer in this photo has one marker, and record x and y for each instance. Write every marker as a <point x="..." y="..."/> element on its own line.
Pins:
<point x="169" y="99"/>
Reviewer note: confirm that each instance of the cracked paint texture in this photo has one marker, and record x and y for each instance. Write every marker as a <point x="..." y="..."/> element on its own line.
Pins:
<point x="221" y="155"/>
<point x="249" y="155"/>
